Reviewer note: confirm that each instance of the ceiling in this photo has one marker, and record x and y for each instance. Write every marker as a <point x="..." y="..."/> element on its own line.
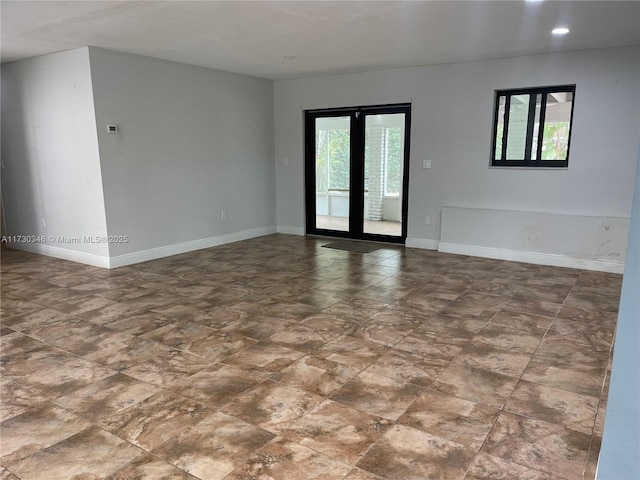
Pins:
<point x="253" y="38"/>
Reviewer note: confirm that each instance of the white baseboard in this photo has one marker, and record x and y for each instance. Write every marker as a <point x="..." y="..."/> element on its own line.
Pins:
<point x="532" y="257"/>
<point x="144" y="255"/>
<point x="63" y="253"/>
<point x="291" y="230"/>
<point x="428" y="244"/>
<point x="424" y="243"/>
<point x="178" y="248"/>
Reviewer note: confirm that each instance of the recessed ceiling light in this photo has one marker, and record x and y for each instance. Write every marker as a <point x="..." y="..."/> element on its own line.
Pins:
<point x="289" y="57"/>
<point x="560" y="31"/>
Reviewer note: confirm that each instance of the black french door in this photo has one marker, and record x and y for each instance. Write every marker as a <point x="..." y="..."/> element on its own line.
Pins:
<point x="357" y="172"/>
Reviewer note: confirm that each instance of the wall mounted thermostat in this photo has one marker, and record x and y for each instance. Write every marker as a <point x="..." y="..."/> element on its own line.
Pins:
<point x="112" y="128"/>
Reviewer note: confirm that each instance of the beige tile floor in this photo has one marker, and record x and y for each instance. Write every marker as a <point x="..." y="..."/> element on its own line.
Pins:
<point x="275" y="358"/>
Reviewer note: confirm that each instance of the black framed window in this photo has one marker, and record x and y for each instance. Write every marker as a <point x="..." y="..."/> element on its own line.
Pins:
<point x="532" y="127"/>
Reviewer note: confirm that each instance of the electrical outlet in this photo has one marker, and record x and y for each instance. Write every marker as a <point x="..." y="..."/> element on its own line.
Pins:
<point x="426" y="164"/>
<point x="223" y="215"/>
<point x="427" y="220"/>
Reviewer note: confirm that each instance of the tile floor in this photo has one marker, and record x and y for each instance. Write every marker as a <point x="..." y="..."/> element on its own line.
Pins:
<point x="275" y="358"/>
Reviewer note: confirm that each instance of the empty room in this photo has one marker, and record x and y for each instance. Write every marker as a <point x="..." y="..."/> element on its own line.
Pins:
<point x="290" y="240"/>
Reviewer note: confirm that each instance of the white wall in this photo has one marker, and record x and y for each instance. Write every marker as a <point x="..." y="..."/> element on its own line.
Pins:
<point x="50" y="155"/>
<point x="194" y="141"/>
<point x="591" y="243"/>
<point x="452" y="114"/>
<point x="191" y="143"/>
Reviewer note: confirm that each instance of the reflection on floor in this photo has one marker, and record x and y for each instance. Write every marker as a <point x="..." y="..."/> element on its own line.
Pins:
<point x="276" y="358"/>
<point x="342" y="224"/>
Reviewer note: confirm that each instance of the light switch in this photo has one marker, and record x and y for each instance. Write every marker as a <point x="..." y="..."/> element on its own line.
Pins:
<point x="426" y="164"/>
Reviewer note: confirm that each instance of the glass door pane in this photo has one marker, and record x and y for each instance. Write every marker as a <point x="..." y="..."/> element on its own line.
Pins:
<point x="333" y="163"/>
<point x="383" y="172"/>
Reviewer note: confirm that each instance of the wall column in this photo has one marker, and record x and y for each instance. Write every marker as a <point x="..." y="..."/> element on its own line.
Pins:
<point x="377" y="142"/>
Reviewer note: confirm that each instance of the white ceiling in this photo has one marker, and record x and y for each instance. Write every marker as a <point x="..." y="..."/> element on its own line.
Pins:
<point x="325" y="36"/>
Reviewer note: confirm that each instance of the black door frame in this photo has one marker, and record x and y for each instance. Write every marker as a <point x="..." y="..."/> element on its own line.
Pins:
<point x="356" y="170"/>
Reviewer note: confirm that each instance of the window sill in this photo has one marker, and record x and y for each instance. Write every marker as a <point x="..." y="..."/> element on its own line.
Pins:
<point x="500" y="167"/>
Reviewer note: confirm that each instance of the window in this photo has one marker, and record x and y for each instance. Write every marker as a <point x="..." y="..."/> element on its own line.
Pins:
<point x="518" y="138"/>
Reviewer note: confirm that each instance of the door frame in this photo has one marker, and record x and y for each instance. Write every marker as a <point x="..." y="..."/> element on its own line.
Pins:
<point x="356" y="170"/>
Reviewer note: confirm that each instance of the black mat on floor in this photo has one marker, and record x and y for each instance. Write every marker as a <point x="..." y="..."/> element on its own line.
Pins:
<point x="361" y="247"/>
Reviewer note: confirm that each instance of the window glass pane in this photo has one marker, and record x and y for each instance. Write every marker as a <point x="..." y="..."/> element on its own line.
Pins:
<point x="517" y="133"/>
<point x="384" y="158"/>
<point x="555" y="143"/>
<point x="333" y="156"/>
<point x="536" y="127"/>
<point x="500" y="127"/>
